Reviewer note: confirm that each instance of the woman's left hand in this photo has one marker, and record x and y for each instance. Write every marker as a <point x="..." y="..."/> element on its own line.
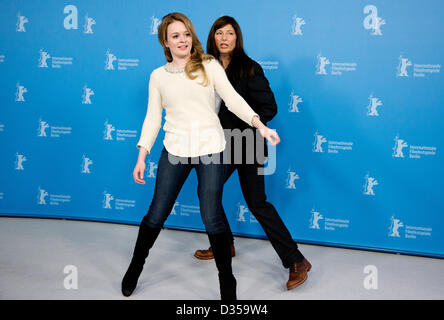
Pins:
<point x="270" y="135"/>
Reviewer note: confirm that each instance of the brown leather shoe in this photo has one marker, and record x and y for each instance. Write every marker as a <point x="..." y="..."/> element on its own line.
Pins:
<point x="208" y="254"/>
<point x="298" y="274"/>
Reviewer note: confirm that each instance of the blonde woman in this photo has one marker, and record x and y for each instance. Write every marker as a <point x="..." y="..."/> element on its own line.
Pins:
<point x="194" y="139"/>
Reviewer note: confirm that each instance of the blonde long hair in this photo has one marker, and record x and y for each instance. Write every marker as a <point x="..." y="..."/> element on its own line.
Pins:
<point x="194" y="65"/>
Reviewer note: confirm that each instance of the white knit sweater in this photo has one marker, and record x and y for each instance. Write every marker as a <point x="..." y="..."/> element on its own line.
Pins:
<point x="192" y="127"/>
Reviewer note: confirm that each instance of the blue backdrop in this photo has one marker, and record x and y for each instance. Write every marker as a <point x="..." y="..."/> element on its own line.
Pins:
<point x="359" y="90"/>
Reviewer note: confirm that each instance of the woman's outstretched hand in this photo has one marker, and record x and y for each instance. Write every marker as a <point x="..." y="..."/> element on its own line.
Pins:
<point x="139" y="171"/>
<point x="270" y="135"/>
<point x="266" y="132"/>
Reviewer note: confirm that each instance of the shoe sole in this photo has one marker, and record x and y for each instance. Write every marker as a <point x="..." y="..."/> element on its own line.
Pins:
<point x="207" y="258"/>
<point x="203" y="258"/>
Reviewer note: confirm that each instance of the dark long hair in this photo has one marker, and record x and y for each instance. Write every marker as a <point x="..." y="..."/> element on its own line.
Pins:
<point x="241" y="65"/>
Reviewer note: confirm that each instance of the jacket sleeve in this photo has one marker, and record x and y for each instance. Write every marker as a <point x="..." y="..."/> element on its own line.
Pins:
<point x="260" y="95"/>
<point x="153" y="118"/>
<point x="233" y="100"/>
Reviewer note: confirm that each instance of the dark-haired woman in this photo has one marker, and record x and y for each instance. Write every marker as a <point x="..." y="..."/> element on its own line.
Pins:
<point x="225" y="43"/>
<point x="185" y="88"/>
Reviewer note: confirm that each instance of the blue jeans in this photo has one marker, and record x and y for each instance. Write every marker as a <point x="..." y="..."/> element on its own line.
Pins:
<point x="169" y="181"/>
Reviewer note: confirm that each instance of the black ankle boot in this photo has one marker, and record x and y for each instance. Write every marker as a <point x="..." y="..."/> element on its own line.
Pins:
<point x="145" y="240"/>
<point x="222" y="256"/>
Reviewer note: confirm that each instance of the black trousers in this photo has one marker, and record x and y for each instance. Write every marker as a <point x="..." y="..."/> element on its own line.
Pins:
<point x="253" y="190"/>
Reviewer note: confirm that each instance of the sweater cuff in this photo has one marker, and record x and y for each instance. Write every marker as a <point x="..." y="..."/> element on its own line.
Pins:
<point x="139" y="144"/>
<point x="254" y="115"/>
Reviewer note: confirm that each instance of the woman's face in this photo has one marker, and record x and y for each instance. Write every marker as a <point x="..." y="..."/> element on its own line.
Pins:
<point x="179" y="40"/>
<point x="225" y="39"/>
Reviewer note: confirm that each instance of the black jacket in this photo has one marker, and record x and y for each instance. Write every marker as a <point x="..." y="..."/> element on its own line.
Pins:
<point x="257" y="93"/>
